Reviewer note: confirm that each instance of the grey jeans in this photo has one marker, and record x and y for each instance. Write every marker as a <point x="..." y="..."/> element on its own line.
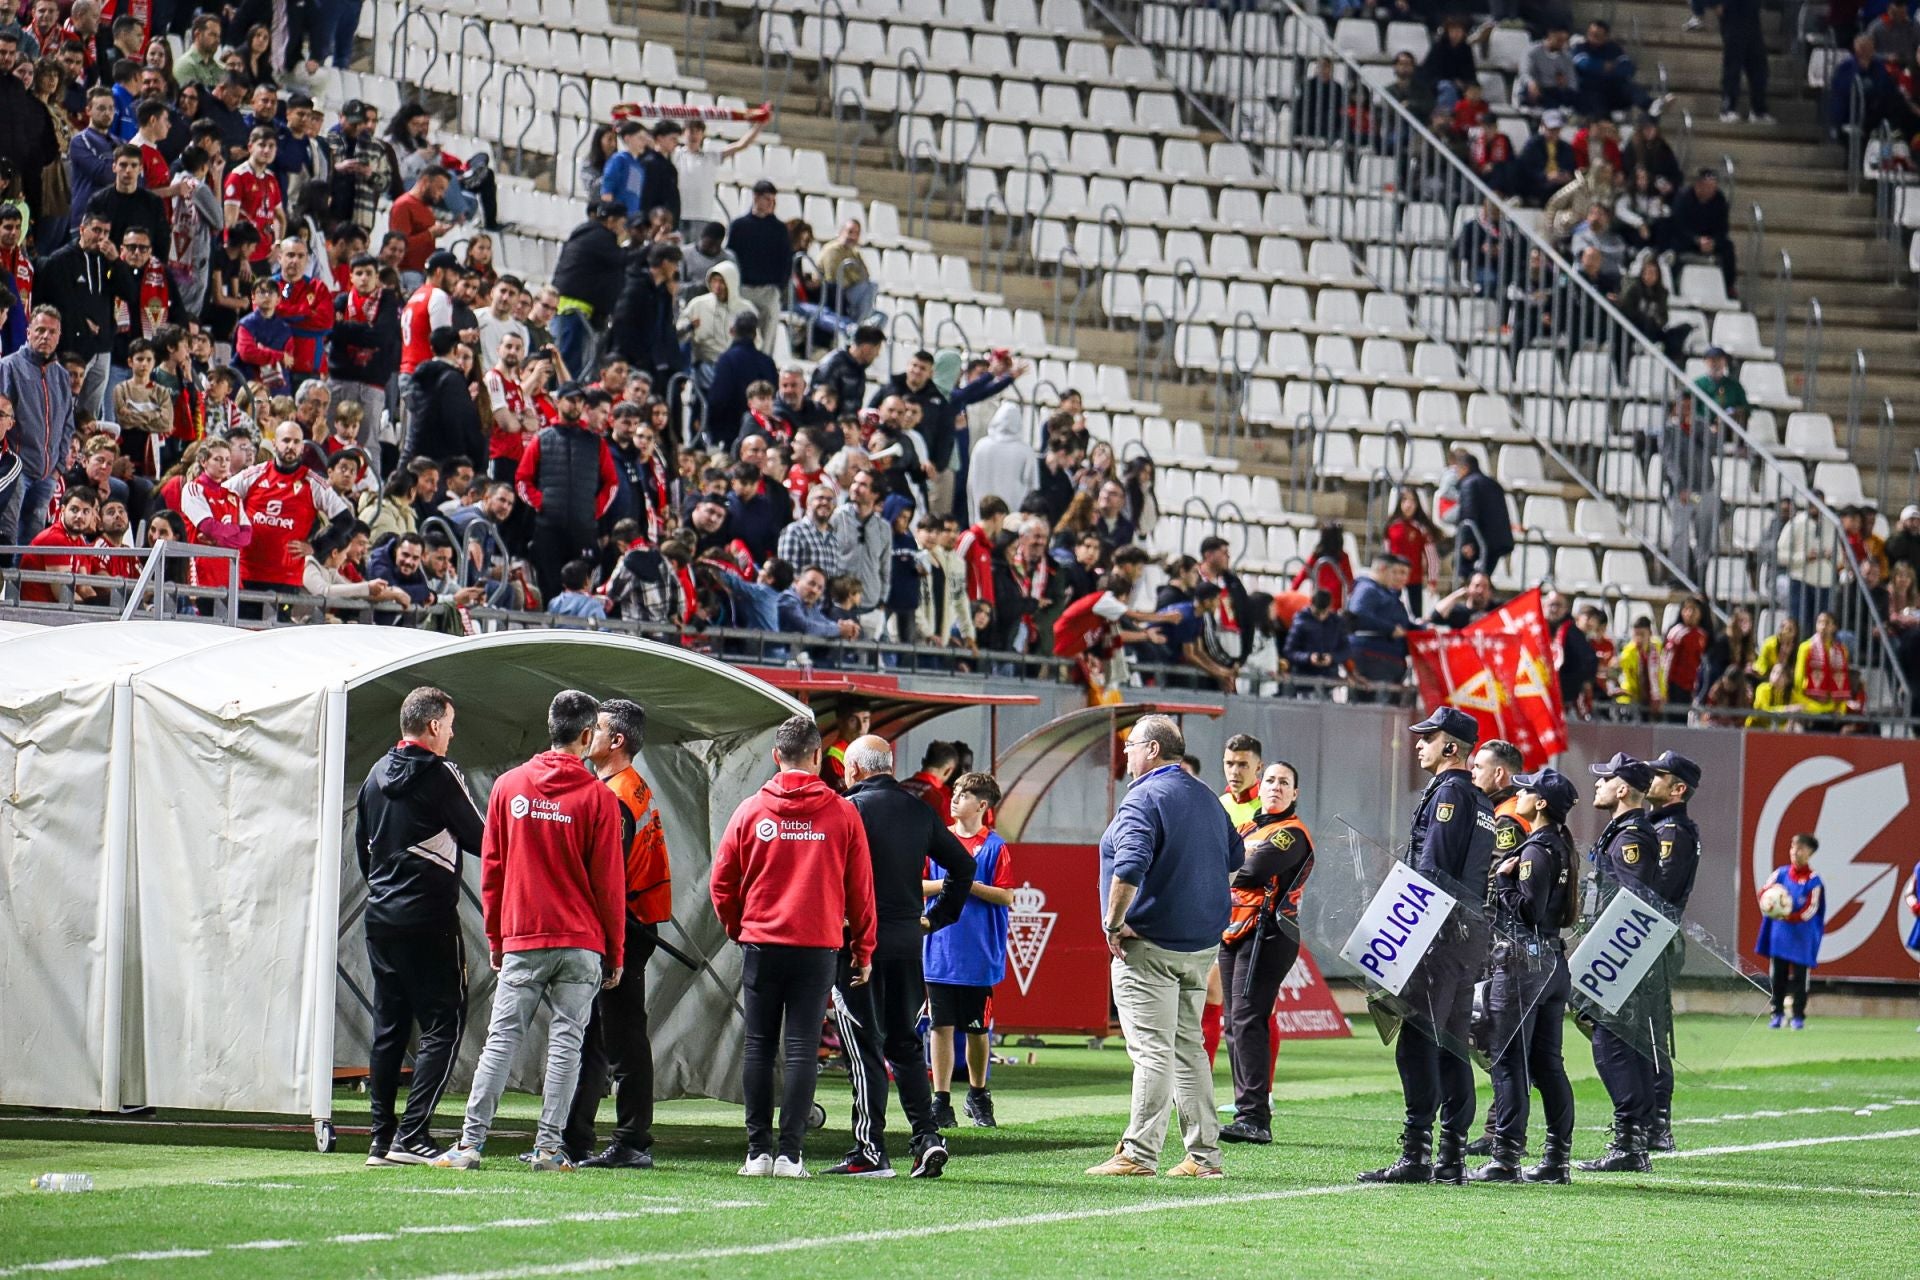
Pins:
<point x="1159" y="993"/>
<point x="766" y="300"/>
<point x="568" y="977"/>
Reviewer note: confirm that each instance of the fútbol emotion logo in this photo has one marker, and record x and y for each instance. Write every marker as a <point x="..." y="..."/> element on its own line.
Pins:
<point x="518" y="806"/>
<point x="766" y="828"/>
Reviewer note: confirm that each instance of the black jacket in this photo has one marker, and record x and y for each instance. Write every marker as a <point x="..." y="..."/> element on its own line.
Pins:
<point x="362" y="351"/>
<point x="443" y="421"/>
<point x="80" y="282"/>
<point x="139" y="209"/>
<point x="902" y="833"/>
<point x="1483" y="504"/>
<point x="936" y="416"/>
<point x="643" y="330"/>
<point x="415" y="819"/>
<point x="847" y="376"/>
<point x="590" y="267"/>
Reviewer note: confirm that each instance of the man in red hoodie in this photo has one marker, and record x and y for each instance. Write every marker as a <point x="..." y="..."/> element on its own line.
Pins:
<point x="792" y="881"/>
<point x="553" y="890"/>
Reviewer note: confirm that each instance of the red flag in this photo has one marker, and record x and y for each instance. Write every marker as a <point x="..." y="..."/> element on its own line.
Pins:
<point x="1533" y="681"/>
<point x="1500" y="671"/>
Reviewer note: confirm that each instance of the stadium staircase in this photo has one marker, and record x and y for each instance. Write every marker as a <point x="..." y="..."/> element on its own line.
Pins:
<point x="1788" y="185"/>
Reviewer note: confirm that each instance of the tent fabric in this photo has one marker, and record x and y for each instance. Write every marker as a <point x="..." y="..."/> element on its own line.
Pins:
<point x="236" y="785"/>
<point x="1029" y="768"/>
<point x="57" y="723"/>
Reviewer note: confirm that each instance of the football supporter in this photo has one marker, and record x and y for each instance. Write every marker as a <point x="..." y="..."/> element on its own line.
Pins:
<point x="214" y="514"/>
<point x="937" y="766"/>
<point x="77" y="526"/>
<point x="283" y="502"/>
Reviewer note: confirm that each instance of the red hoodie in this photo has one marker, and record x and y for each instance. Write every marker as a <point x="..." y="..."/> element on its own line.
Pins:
<point x="793" y="869"/>
<point x="552" y="869"/>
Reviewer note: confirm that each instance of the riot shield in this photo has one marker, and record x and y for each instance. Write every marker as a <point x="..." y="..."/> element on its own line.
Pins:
<point x="1636" y="957"/>
<point x="1418" y="945"/>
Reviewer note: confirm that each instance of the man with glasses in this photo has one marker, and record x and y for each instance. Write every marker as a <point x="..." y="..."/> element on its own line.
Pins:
<point x="1164" y="863"/>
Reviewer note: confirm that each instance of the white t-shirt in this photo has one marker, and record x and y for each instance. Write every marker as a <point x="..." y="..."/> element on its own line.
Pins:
<point x="699" y="176"/>
<point x="492" y="329"/>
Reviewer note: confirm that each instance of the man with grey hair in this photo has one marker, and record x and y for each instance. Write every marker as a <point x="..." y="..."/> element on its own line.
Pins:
<point x="877" y="1020"/>
<point x="553" y="893"/>
<point x="1164" y="864"/>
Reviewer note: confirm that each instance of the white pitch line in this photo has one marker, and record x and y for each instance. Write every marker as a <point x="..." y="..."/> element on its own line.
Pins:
<point x="1795" y="1188"/>
<point x="1790" y="1143"/>
<point x="1732" y="1117"/>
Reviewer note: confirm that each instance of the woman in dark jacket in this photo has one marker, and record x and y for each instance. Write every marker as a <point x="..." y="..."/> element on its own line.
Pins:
<point x="1644" y="303"/>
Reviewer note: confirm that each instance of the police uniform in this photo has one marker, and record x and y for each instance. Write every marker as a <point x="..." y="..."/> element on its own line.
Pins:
<point x="1509" y="831"/>
<point x="1452" y="844"/>
<point x="1528" y="989"/>
<point x="1670" y="880"/>
<point x="1257" y="952"/>
<point x="1626" y="852"/>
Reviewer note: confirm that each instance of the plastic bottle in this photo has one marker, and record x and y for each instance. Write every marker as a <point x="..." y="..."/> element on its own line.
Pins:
<point x="62" y="1182"/>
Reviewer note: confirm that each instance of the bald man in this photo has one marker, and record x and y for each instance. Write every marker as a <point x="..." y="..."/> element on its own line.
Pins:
<point x="876" y="1020"/>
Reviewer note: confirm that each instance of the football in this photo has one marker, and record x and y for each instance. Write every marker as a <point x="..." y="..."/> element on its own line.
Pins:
<point x="1775" y="902"/>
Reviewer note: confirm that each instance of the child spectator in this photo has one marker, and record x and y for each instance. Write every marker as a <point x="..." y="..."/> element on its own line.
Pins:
<point x="1642" y="670"/>
<point x="966" y="960"/>
<point x="574" y="600"/>
<point x="260" y="343"/>
<point x="1774" y="700"/>
<point x="1792" y="941"/>
<point x="1471" y="111"/>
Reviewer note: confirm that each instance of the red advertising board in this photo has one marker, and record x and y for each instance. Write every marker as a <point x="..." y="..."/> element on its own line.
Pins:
<point x="1306" y="1009"/>
<point x="1852" y="794"/>
<point x="1056" y="953"/>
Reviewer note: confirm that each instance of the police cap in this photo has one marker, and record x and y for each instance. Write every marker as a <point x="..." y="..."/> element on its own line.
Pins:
<point x="1552" y="787"/>
<point x="1637" y="774"/>
<point x="1679" y="766"/>
<point x="1451" y="721"/>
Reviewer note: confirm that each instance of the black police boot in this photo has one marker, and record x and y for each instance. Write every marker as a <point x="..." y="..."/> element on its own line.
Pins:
<point x="1660" y="1136"/>
<point x="1415" y="1163"/>
<point x="1481" y="1146"/>
<point x="1627" y="1154"/>
<point x="1449" y="1163"/>
<point x="1553" y="1163"/>
<point x="1503" y="1167"/>
<point x="1246" y="1131"/>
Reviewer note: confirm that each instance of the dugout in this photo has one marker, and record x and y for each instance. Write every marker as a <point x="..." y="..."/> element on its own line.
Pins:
<point x="229" y="769"/>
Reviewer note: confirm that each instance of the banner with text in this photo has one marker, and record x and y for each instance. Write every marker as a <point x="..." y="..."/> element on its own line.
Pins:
<point x="1620" y="950"/>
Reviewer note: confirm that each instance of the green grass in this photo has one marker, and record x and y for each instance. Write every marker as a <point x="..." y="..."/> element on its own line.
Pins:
<point x="1838" y="1208"/>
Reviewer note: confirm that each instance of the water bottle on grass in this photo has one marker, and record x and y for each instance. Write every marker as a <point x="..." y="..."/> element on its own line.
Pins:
<point x="62" y="1182"/>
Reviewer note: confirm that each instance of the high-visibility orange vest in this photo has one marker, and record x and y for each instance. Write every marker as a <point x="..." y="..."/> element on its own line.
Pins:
<point x="1248" y="904"/>
<point x="649" y="878"/>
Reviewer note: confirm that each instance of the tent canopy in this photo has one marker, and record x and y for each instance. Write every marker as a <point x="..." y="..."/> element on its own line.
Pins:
<point x="1028" y="768"/>
<point x="229" y="762"/>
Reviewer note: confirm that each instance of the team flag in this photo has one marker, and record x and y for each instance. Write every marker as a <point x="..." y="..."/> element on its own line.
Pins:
<point x="1502" y="672"/>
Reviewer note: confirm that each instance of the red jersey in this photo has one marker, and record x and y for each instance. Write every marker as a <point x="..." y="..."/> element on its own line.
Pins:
<point x="507" y="398"/>
<point x="155" y="173"/>
<point x="55" y="535"/>
<point x="799" y="481"/>
<point x="428" y="309"/>
<point x="215" y="517"/>
<point x="932" y="792"/>
<point x="282" y="509"/>
<point x="156" y="302"/>
<point x="17" y="269"/>
<point x="259" y="198"/>
<point x="976" y="550"/>
<point x="307" y="305"/>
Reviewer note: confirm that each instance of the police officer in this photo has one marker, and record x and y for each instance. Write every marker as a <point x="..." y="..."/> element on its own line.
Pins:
<point x="1494" y="766"/>
<point x="1452" y="844"/>
<point x="1674" y="780"/>
<point x="1623" y="855"/>
<point x="1535" y="897"/>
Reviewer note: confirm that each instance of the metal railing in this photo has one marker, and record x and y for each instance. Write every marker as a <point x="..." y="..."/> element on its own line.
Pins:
<point x="1342" y="137"/>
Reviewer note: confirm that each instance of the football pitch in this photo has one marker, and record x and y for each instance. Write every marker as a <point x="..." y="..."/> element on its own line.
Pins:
<point x="1800" y="1156"/>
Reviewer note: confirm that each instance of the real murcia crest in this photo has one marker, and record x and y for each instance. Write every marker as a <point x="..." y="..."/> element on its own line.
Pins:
<point x="1028" y="928"/>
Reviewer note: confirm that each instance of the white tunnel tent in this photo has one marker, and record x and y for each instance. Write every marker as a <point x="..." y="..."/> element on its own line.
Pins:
<point x="186" y="930"/>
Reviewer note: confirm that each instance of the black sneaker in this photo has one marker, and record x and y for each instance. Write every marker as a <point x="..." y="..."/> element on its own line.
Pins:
<point x="857" y="1165"/>
<point x="417" y="1151"/>
<point x="619" y="1155"/>
<point x="377" y="1157"/>
<point x="943" y="1117"/>
<point x="930" y="1156"/>
<point x="980" y="1109"/>
<point x="1246" y="1131"/>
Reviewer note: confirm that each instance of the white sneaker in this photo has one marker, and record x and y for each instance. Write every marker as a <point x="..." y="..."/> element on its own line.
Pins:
<point x="1729" y="117"/>
<point x="760" y="1166"/>
<point x="1693" y="24"/>
<point x="551" y="1160"/>
<point x="460" y="1156"/>
<point x="785" y="1168"/>
<point x="1760" y="117"/>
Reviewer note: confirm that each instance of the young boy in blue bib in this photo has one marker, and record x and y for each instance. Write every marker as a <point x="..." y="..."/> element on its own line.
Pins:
<point x="966" y="960"/>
